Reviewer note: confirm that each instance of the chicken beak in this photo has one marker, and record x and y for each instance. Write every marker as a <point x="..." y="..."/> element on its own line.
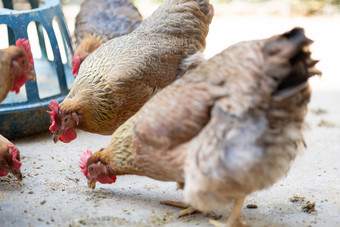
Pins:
<point x="55" y="137"/>
<point x="17" y="174"/>
<point x="91" y="183"/>
<point x="31" y="75"/>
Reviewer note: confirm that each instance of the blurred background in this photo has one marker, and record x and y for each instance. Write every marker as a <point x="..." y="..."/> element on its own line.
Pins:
<point x="238" y="20"/>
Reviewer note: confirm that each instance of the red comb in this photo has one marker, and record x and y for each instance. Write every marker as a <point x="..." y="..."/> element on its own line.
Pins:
<point x="55" y="108"/>
<point x="25" y="45"/>
<point x="83" y="161"/>
<point x="13" y="151"/>
<point x="22" y="79"/>
<point x="75" y="65"/>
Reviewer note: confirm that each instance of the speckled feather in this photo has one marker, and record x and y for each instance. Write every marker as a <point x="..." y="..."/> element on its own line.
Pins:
<point x="121" y="75"/>
<point x="120" y="161"/>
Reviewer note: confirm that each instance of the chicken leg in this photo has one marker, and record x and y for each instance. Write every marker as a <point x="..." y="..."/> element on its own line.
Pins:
<point x="187" y="210"/>
<point x="234" y="217"/>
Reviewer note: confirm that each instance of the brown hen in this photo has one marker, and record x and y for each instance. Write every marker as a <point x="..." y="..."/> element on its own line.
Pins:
<point x="16" y="67"/>
<point x="9" y="159"/>
<point x="117" y="79"/>
<point x="99" y="21"/>
<point x="228" y="128"/>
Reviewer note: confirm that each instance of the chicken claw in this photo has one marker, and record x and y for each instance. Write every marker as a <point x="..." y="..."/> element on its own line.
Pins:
<point x="187" y="210"/>
<point x="234" y="217"/>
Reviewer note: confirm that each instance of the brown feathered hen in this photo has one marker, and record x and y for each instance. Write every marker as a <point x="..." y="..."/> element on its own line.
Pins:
<point x="117" y="79"/>
<point x="230" y="127"/>
<point x="9" y="159"/>
<point x="99" y="21"/>
<point x="16" y="67"/>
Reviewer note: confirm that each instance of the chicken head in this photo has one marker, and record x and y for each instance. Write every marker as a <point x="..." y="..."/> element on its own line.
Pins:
<point x="22" y="66"/>
<point x="10" y="162"/>
<point x="95" y="170"/>
<point x="63" y="123"/>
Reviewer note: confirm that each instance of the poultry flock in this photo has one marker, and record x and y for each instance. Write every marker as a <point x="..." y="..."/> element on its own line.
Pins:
<point x="222" y="128"/>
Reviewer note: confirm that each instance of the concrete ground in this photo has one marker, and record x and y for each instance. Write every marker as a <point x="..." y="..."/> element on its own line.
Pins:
<point x="54" y="192"/>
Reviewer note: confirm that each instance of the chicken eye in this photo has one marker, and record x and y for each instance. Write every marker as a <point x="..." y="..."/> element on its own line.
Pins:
<point x="22" y="62"/>
<point x="66" y="119"/>
<point x="91" y="169"/>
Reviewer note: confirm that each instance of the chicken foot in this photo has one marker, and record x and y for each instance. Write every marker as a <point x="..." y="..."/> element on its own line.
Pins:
<point x="187" y="210"/>
<point x="234" y="217"/>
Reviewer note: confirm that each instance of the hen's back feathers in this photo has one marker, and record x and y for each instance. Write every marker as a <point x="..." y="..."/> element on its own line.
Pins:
<point x="106" y="19"/>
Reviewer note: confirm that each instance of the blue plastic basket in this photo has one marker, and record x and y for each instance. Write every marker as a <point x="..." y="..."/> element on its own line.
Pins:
<point x="25" y="113"/>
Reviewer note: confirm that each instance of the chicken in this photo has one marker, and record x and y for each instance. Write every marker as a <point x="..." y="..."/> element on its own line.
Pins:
<point x="9" y="159"/>
<point x="117" y="79"/>
<point x="230" y="127"/>
<point x="100" y="21"/>
<point x="16" y="66"/>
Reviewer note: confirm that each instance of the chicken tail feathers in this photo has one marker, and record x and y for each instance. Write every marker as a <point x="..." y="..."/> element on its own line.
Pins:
<point x="289" y="60"/>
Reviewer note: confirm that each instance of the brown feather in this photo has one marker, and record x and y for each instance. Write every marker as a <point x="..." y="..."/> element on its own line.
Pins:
<point x="100" y="21"/>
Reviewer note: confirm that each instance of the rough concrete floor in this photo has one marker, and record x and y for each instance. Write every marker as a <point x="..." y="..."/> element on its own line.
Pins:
<point x="54" y="192"/>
